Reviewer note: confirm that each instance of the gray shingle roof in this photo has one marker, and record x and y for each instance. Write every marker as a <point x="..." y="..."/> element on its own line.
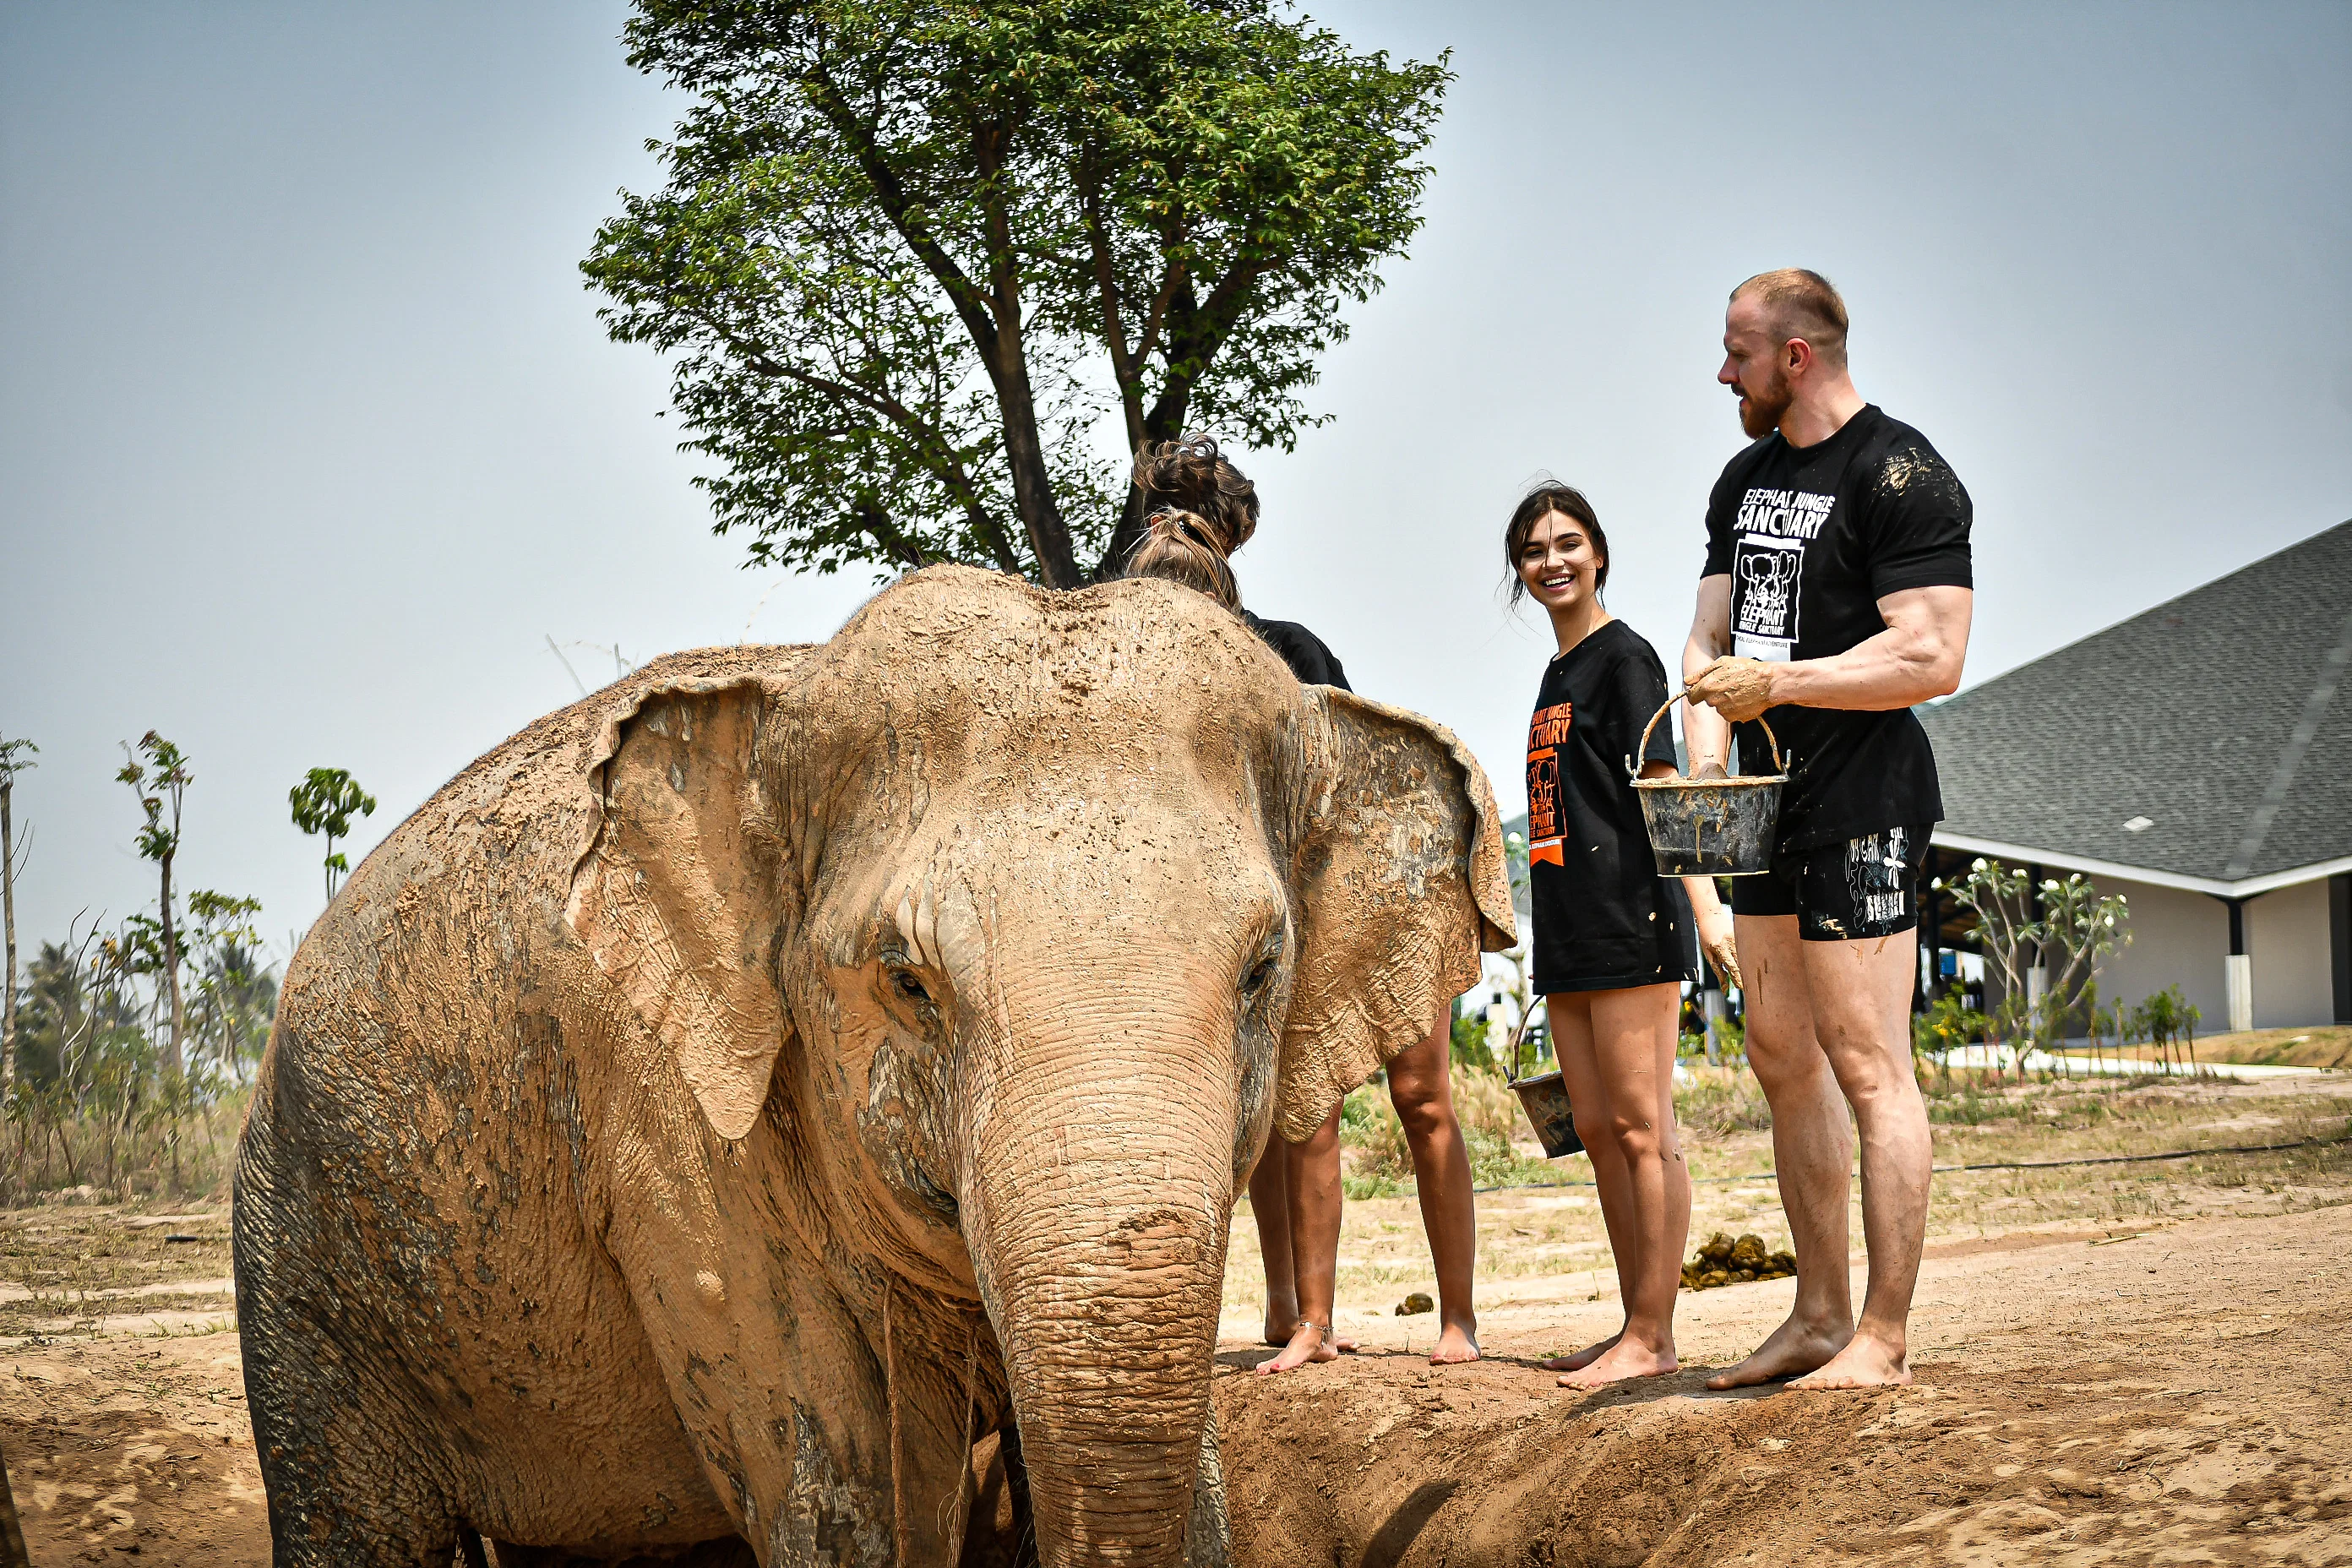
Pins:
<point x="2224" y="717"/>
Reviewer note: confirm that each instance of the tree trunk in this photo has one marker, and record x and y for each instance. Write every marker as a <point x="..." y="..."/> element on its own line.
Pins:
<point x="173" y="1062"/>
<point x="8" y="916"/>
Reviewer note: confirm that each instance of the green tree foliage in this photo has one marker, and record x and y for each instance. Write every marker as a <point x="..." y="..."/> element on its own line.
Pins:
<point x="907" y="254"/>
<point x="157" y="773"/>
<point x="2065" y="927"/>
<point x="324" y="803"/>
<point x="2168" y="1021"/>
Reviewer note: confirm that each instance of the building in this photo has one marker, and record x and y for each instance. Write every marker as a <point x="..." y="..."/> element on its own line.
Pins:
<point x="2197" y="759"/>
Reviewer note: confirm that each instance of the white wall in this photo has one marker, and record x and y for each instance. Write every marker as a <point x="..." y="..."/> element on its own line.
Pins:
<point x="2181" y="938"/>
<point x="2178" y="939"/>
<point x="2286" y="933"/>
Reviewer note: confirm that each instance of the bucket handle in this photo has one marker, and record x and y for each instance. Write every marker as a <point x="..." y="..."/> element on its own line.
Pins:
<point x="1633" y="763"/>
<point x="1519" y="1035"/>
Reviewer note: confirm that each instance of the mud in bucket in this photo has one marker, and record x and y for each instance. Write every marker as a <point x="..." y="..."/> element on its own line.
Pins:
<point x="1545" y="1099"/>
<point x="1709" y="827"/>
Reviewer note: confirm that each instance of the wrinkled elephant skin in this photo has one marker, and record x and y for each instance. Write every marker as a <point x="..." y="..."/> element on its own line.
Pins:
<point x="732" y="1093"/>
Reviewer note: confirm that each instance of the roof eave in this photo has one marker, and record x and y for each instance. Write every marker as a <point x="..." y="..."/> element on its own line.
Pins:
<point x="2244" y="887"/>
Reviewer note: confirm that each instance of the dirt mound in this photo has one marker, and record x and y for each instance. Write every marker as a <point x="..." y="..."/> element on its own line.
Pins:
<point x="2148" y="1405"/>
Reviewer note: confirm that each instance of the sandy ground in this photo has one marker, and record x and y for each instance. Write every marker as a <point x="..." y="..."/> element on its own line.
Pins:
<point x="2178" y="1394"/>
<point x="2143" y="1363"/>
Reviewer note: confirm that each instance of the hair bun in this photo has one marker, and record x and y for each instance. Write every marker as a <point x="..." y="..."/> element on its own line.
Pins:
<point x="1192" y="477"/>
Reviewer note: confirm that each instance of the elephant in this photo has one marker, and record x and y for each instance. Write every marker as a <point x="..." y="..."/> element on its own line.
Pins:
<point x="730" y="1095"/>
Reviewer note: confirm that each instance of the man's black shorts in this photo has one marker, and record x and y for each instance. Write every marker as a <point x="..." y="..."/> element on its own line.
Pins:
<point x="1865" y="887"/>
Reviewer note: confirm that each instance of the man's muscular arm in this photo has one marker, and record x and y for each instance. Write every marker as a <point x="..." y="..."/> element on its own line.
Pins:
<point x="1706" y="733"/>
<point x="1917" y="657"/>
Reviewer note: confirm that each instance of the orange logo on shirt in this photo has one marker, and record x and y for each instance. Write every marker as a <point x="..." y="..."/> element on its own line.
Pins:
<point x="1547" y="731"/>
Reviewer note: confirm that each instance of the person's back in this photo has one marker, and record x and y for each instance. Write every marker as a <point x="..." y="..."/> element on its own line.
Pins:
<point x="1203" y="510"/>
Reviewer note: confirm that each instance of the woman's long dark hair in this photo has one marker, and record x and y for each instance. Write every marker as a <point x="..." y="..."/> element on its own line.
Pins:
<point x="1203" y="510"/>
<point x="1540" y="502"/>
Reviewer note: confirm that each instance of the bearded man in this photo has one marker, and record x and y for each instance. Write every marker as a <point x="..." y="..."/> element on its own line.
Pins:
<point x="1836" y="596"/>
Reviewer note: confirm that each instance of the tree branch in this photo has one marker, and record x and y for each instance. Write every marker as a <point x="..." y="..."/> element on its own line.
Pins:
<point x="942" y="458"/>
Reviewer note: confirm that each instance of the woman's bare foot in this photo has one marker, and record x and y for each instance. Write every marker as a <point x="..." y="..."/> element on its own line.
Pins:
<point x="1456" y="1344"/>
<point x="1281" y="1318"/>
<point x="1625" y="1359"/>
<point x="1793" y="1350"/>
<point x="1867" y="1362"/>
<point x="1310" y="1342"/>
<point x="1584" y="1357"/>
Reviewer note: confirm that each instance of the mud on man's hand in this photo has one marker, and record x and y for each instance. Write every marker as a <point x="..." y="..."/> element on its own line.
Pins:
<point x="1739" y="689"/>
<point x="1714" y="939"/>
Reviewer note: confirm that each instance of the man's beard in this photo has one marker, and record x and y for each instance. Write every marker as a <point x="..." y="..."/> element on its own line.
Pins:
<point x="1762" y="405"/>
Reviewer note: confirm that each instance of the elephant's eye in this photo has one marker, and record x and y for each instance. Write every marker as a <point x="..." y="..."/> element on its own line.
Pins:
<point x="909" y="986"/>
<point x="1260" y="974"/>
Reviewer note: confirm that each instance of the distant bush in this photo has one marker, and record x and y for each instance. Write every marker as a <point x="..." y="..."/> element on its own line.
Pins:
<point x="1721" y="1099"/>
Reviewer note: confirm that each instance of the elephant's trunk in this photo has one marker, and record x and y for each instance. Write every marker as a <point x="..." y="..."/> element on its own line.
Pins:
<point x="1105" y="1191"/>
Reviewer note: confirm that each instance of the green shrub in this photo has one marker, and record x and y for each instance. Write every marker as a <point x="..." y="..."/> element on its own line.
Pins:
<point x="1721" y="1099"/>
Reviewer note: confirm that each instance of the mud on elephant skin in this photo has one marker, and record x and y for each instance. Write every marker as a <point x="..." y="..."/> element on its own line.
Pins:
<point x="729" y="1096"/>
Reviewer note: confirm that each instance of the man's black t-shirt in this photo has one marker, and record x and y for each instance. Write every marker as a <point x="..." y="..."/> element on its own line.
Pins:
<point x="1309" y="658"/>
<point x="1604" y="918"/>
<point x="1812" y="538"/>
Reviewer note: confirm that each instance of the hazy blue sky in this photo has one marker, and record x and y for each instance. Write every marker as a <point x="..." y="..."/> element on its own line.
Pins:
<point x="308" y="438"/>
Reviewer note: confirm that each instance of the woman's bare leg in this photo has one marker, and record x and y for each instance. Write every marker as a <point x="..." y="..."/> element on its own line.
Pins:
<point x="1311" y="1171"/>
<point x="1571" y="1037"/>
<point x="1269" y="1191"/>
<point x="1632" y="1035"/>
<point x="1423" y="1093"/>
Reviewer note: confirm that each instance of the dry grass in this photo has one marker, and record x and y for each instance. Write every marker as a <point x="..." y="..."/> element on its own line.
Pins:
<point x="2318" y="1046"/>
<point x="1550" y="1228"/>
<point x="65" y="1267"/>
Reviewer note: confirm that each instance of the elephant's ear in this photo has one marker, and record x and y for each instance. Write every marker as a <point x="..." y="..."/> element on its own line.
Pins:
<point x="1400" y="873"/>
<point x="679" y="896"/>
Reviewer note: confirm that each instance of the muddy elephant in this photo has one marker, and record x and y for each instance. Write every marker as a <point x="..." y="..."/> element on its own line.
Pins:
<point x="729" y="1096"/>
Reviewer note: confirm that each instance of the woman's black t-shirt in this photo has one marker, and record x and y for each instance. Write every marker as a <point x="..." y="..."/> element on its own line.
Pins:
<point x="1604" y="918"/>
<point x="1309" y="658"/>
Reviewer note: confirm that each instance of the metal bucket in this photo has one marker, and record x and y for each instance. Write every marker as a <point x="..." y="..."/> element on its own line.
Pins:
<point x="1709" y="827"/>
<point x="1545" y="1099"/>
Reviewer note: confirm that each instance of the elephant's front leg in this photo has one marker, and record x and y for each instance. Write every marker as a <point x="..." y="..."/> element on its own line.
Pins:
<point x="880" y="1454"/>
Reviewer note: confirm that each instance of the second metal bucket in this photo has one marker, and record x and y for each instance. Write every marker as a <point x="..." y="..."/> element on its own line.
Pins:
<point x="1709" y="827"/>
<point x="1545" y="1099"/>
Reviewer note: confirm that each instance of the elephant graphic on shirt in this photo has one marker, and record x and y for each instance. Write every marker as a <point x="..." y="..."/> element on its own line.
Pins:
<point x="1770" y="576"/>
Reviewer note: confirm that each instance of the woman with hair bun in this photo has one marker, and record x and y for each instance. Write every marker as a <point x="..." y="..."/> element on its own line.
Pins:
<point x="1205" y="510"/>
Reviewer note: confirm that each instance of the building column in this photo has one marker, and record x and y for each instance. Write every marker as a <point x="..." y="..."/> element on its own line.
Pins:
<point x="2339" y="941"/>
<point x="2239" y="976"/>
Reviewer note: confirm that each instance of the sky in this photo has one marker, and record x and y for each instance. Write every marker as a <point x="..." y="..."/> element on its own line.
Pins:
<point x="310" y="443"/>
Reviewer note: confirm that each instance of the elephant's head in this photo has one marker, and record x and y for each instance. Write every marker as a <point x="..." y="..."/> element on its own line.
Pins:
<point x="1050" y="904"/>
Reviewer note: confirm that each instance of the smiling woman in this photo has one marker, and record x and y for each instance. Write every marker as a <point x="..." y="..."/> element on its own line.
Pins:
<point x="1611" y="940"/>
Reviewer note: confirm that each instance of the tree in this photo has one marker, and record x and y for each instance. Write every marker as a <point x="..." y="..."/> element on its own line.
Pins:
<point x="162" y="779"/>
<point x="323" y="803"/>
<point x="2018" y="922"/>
<point x="14" y="759"/>
<point x="907" y="255"/>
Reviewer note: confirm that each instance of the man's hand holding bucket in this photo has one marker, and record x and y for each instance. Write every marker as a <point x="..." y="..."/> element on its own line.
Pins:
<point x="1739" y="689"/>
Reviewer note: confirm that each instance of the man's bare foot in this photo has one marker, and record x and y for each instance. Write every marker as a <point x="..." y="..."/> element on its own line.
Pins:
<point x="1584" y="1357"/>
<point x="1625" y="1359"/>
<point x="1456" y="1344"/>
<point x="1793" y="1350"/>
<point x="1867" y="1362"/>
<point x="1310" y="1342"/>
